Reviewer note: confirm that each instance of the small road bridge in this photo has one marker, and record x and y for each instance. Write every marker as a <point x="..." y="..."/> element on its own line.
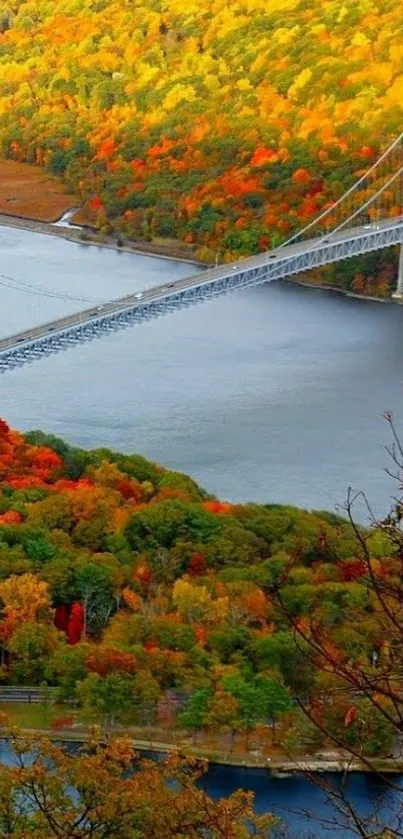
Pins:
<point x="368" y="217"/>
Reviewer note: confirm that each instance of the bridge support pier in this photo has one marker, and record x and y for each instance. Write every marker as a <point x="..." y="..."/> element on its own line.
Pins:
<point x="398" y="295"/>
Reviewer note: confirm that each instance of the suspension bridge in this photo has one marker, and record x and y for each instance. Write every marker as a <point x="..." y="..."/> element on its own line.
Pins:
<point x="367" y="217"/>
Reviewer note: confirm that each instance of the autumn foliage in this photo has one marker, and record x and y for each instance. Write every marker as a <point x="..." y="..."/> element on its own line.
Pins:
<point x="106" y="798"/>
<point x="227" y="126"/>
<point x="75" y="624"/>
<point x="131" y="590"/>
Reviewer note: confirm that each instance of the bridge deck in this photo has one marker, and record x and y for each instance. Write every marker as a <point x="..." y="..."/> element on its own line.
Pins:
<point x="295" y="258"/>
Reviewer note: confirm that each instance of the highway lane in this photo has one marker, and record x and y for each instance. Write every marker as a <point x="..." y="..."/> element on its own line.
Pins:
<point x="202" y="277"/>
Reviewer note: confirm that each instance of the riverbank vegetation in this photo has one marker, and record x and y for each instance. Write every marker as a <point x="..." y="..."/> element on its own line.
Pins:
<point x="145" y="602"/>
<point x="225" y="127"/>
<point x="374" y="274"/>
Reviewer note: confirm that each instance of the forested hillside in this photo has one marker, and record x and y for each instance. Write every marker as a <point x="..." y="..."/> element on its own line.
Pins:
<point x="139" y="597"/>
<point x="224" y="124"/>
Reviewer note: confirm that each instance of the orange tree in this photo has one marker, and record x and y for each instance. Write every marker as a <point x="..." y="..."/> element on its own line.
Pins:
<point x="105" y="791"/>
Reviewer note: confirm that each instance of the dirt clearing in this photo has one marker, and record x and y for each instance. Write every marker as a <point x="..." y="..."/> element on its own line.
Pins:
<point x="31" y="193"/>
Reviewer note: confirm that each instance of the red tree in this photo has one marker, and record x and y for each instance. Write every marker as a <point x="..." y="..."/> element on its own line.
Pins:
<point x="76" y="624"/>
<point x="62" y="618"/>
<point x="106" y="660"/>
<point x="197" y="565"/>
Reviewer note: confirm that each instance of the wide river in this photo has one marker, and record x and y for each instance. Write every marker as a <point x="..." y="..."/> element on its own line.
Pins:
<point x="273" y="394"/>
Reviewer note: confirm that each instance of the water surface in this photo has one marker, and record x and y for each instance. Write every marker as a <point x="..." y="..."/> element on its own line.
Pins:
<point x="303" y="807"/>
<point x="271" y="394"/>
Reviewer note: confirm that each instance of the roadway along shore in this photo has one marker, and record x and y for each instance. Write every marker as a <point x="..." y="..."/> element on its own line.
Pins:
<point x="14" y="701"/>
<point x="90" y="238"/>
<point x="277" y="766"/>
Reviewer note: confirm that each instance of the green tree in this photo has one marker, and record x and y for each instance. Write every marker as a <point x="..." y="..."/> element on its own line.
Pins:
<point x="31" y="647"/>
<point x="259" y="699"/>
<point x="277" y="698"/>
<point x="222" y="714"/>
<point x="164" y="523"/>
<point x="175" y="480"/>
<point x="229" y="640"/>
<point x="66" y="668"/>
<point x="302" y="736"/>
<point x="96" y="584"/>
<point x="194" y="713"/>
<point x="370" y="732"/>
<point x="146" y="694"/>
<point x="109" y="699"/>
<point x="280" y="652"/>
<point x="252" y="705"/>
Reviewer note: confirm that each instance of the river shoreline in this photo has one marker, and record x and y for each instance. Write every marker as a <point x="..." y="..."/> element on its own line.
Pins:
<point x="344" y="291"/>
<point x="89" y="238"/>
<point x="276" y="766"/>
<point x="86" y="236"/>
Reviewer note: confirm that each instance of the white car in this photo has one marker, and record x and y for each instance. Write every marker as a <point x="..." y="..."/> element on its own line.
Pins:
<point x="139" y="295"/>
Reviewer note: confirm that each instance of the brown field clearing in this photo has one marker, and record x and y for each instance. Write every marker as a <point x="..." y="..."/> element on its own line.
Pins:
<point x="29" y="192"/>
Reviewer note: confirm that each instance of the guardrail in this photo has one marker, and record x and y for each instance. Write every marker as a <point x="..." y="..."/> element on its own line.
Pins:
<point x="27" y="695"/>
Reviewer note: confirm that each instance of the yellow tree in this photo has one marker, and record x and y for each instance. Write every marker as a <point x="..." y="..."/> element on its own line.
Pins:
<point x="95" y="795"/>
<point x="25" y="599"/>
<point x="193" y="602"/>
